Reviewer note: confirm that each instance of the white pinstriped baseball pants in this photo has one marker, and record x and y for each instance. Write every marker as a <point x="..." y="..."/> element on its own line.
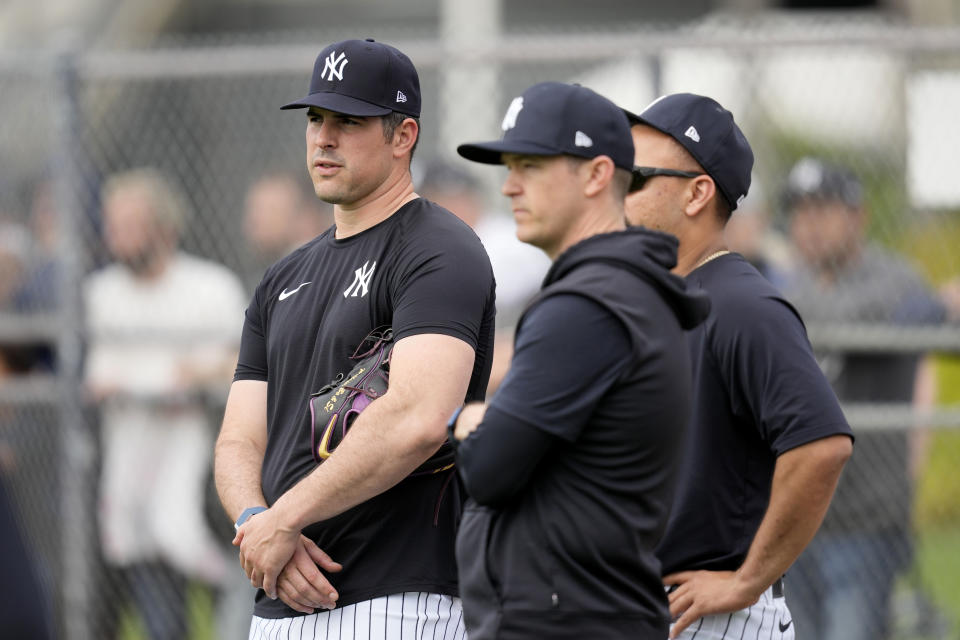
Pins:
<point x="401" y="616"/>
<point x="768" y="619"/>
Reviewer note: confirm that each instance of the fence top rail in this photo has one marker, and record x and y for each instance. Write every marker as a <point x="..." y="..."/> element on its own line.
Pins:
<point x="899" y="417"/>
<point x="191" y="60"/>
<point x="885" y="338"/>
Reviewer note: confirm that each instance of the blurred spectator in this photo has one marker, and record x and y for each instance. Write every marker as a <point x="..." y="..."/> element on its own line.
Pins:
<point x="281" y="213"/>
<point x="950" y="293"/>
<point x="23" y="613"/>
<point x="749" y="233"/>
<point x="24" y="607"/>
<point x="39" y="292"/>
<point x="518" y="268"/>
<point x="162" y="327"/>
<point x="20" y="356"/>
<point x="841" y="586"/>
<point x="14" y="258"/>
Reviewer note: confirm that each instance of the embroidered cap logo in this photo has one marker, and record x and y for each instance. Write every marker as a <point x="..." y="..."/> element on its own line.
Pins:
<point x="510" y="118"/>
<point x="334" y="64"/>
<point x="580" y="139"/>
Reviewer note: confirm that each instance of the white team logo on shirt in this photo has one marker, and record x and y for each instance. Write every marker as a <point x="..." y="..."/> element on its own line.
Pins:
<point x="334" y="64"/>
<point x="361" y="281"/>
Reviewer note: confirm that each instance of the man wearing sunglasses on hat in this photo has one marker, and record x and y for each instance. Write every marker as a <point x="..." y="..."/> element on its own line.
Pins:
<point x="767" y="439"/>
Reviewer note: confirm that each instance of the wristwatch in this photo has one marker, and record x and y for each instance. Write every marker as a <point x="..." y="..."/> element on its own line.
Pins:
<point x="249" y="511"/>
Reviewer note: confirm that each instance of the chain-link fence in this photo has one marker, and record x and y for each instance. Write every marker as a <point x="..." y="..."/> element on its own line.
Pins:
<point x="875" y="97"/>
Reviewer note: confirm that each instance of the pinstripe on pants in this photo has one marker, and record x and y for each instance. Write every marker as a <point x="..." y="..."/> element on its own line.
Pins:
<point x="401" y="616"/>
<point x="768" y="619"/>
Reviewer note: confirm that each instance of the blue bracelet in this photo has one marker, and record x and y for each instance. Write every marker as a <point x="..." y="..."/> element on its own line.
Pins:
<point x="452" y="423"/>
<point x="249" y="511"/>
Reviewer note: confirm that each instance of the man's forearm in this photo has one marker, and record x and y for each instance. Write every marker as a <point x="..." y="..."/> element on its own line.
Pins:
<point x="803" y="484"/>
<point x="384" y="445"/>
<point x="237" y="468"/>
<point x="395" y="434"/>
<point x="491" y="472"/>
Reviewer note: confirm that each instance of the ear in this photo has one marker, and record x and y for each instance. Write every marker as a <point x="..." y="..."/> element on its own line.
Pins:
<point x="700" y="192"/>
<point x="598" y="175"/>
<point x="404" y="137"/>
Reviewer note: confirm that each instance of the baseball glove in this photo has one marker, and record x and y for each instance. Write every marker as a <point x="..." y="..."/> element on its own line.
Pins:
<point x="334" y="407"/>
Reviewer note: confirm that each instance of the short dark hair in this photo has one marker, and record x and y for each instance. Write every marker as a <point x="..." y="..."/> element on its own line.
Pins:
<point x="620" y="183"/>
<point x="724" y="207"/>
<point x="393" y="120"/>
<point x="622" y="179"/>
<point x="724" y="210"/>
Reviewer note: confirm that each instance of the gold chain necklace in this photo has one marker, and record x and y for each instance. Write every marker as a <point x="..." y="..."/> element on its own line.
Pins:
<point x="710" y="257"/>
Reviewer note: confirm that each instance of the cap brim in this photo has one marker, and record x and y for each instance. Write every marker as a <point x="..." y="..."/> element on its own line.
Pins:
<point x="492" y="152"/>
<point x="339" y="103"/>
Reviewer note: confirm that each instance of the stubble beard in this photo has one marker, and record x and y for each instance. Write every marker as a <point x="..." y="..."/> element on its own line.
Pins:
<point x="332" y="193"/>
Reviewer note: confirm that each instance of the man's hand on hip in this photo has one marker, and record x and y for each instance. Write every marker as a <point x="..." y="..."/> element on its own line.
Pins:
<point x="705" y="593"/>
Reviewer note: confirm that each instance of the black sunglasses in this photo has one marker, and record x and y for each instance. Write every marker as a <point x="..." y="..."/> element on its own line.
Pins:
<point x="642" y="174"/>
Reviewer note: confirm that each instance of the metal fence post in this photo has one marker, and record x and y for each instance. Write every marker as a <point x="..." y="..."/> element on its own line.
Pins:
<point x="76" y="468"/>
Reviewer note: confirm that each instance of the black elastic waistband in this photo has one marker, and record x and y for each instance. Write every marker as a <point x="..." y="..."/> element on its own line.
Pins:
<point x="777" y="588"/>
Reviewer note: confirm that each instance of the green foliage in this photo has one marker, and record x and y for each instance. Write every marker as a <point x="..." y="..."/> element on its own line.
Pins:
<point x="932" y="245"/>
<point x="938" y="562"/>
<point x="938" y="492"/>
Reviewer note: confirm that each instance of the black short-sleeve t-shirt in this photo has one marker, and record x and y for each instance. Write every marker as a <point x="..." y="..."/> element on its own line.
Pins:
<point x="757" y="393"/>
<point x="422" y="270"/>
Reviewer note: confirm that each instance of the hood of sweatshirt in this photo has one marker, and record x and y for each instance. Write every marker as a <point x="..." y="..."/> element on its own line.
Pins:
<point x="647" y="254"/>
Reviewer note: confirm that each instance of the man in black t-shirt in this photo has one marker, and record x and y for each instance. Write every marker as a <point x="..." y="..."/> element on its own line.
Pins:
<point x="571" y="466"/>
<point x="767" y="439"/>
<point x="356" y="534"/>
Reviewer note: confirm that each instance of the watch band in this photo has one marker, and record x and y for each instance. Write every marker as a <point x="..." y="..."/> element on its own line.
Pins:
<point x="452" y="423"/>
<point x="249" y="511"/>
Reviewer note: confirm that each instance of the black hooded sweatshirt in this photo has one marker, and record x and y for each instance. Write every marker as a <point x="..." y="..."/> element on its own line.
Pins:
<point x="571" y="471"/>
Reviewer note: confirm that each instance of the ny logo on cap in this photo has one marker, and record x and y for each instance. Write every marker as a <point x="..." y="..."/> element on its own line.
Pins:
<point x="510" y="119"/>
<point x="334" y="64"/>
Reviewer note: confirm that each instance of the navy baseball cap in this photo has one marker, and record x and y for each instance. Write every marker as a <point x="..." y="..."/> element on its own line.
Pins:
<point x="552" y="118"/>
<point x="815" y="179"/>
<point x="708" y="132"/>
<point x="363" y="78"/>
